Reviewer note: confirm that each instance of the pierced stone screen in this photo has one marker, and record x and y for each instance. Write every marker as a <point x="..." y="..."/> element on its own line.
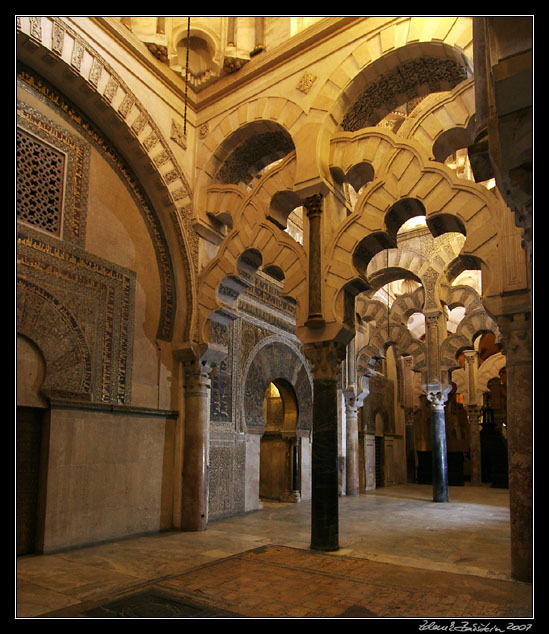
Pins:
<point x="40" y="170"/>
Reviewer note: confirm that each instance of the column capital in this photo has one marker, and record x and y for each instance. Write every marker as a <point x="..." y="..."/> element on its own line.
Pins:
<point x="517" y="338"/>
<point x="313" y="204"/>
<point x="207" y="356"/>
<point x="199" y="363"/>
<point x="474" y="411"/>
<point x="437" y="394"/>
<point x="355" y="394"/>
<point x="325" y="357"/>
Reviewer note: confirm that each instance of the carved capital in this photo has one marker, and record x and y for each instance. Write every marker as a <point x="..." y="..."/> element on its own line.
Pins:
<point x="474" y="413"/>
<point x="437" y="394"/>
<point x="198" y="363"/>
<point x="517" y="338"/>
<point x="325" y="358"/>
<point x="313" y="204"/>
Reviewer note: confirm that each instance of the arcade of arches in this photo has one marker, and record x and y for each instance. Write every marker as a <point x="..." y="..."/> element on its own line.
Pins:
<point x="283" y="258"/>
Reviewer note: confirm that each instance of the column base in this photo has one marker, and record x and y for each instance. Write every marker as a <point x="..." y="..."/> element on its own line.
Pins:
<point x="326" y="549"/>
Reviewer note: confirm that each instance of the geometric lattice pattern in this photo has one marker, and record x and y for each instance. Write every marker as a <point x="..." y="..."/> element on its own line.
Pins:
<point x="40" y="173"/>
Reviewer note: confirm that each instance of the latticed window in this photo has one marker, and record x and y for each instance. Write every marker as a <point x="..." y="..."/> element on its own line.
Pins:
<point x="40" y="170"/>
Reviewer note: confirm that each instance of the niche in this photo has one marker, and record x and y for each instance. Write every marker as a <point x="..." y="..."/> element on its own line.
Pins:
<point x="279" y="452"/>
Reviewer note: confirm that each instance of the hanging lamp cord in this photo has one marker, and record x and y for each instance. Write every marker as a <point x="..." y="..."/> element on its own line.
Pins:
<point x="187" y="74"/>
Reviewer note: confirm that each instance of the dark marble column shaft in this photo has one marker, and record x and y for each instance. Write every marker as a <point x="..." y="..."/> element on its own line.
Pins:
<point x="437" y="396"/>
<point x="324" y="502"/>
<point x="313" y="207"/>
<point x="439" y="454"/>
<point x="473" y="416"/>
<point x="325" y="358"/>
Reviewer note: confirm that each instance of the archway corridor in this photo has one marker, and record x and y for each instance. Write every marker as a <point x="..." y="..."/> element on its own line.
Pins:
<point x="401" y="557"/>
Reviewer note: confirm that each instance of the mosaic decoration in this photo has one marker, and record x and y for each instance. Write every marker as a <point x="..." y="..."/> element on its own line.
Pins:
<point x="276" y="360"/>
<point x="226" y="476"/>
<point x="79" y="309"/>
<point x="30" y="119"/>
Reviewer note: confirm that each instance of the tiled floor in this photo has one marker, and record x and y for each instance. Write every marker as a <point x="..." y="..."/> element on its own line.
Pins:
<point x="401" y="555"/>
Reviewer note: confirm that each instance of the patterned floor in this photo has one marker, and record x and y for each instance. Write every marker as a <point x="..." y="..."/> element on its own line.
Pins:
<point x="283" y="582"/>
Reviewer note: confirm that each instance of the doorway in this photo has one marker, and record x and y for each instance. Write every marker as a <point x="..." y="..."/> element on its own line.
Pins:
<point x="279" y="450"/>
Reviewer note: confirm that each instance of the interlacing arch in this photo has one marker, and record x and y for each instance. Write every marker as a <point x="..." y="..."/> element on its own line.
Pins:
<point x="402" y="171"/>
<point x="442" y="123"/>
<point x="393" y="330"/>
<point x="254" y="242"/>
<point x="220" y="163"/>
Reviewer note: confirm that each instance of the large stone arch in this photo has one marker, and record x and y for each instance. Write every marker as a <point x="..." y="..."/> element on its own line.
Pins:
<point x="471" y="326"/>
<point x="53" y="48"/>
<point x="275" y="358"/>
<point x="392" y="43"/>
<point x="392" y="264"/>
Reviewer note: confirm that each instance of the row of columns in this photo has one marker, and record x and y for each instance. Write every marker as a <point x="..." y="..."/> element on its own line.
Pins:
<point x="325" y="358"/>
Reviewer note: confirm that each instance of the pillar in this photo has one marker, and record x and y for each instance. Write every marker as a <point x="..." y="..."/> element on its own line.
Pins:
<point x="231" y="30"/>
<point x="354" y="399"/>
<point x="313" y="209"/>
<point x="474" y="413"/>
<point x="325" y="357"/>
<point x="408" y="405"/>
<point x="517" y="336"/>
<point x="259" y="34"/>
<point x="351" y="438"/>
<point x="410" y="445"/>
<point x="194" y="493"/>
<point x="437" y="396"/>
<point x="473" y="407"/>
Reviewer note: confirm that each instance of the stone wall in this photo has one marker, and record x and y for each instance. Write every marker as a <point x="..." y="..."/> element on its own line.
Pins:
<point x="107" y="475"/>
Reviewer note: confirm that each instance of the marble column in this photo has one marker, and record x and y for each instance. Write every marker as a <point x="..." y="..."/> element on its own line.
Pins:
<point x="474" y="413"/>
<point x="325" y="358"/>
<point x="437" y="396"/>
<point x="351" y="438"/>
<point x="518" y="351"/>
<point x="354" y="399"/>
<point x="408" y="405"/>
<point x="194" y="495"/>
<point x="259" y="34"/>
<point x="231" y="30"/>
<point x="313" y="208"/>
<point x="473" y="407"/>
<point x="410" y="445"/>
